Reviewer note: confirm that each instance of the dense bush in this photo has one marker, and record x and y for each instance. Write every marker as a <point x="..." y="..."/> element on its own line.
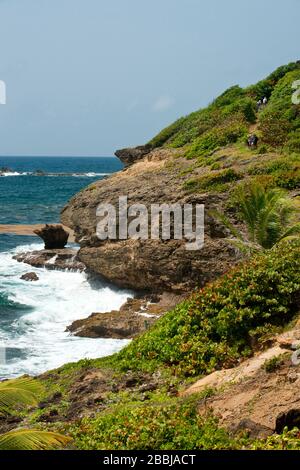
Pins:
<point x="150" y="426"/>
<point x="213" y="329"/>
<point x="265" y="87"/>
<point x="213" y="181"/>
<point x="284" y="171"/>
<point x="200" y="128"/>
<point x="293" y="142"/>
<point x="229" y="133"/>
<point x="281" y="117"/>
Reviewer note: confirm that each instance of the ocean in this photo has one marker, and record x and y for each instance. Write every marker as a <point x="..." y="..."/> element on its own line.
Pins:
<point x="34" y="316"/>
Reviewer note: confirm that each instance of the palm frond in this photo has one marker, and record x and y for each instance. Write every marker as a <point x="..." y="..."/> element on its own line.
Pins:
<point x="226" y="222"/>
<point x="293" y="231"/>
<point x="22" y="391"/>
<point x="25" y="439"/>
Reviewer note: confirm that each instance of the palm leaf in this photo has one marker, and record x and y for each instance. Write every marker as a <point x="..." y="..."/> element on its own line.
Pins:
<point x="25" y="439"/>
<point x="226" y="222"/>
<point x="293" y="231"/>
<point x="20" y="391"/>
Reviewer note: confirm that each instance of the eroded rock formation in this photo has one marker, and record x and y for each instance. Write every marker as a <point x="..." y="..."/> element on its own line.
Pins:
<point x="54" y="236"/>
<point x="52" y="259"/>
<point x="152" y="265"/>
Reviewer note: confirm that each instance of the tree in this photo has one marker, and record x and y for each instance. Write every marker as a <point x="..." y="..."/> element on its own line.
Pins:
<point x="270" y="216"/>
<point x="24" y="392"/>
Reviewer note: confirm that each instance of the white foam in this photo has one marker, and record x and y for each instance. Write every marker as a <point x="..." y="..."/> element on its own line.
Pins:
<point x="90" y="175"/>
<point x="55" y="301"/>
<point x="14" y="173"/>
<point x="77" y="175"/>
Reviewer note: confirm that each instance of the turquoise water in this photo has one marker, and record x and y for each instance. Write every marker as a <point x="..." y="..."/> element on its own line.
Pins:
<point x="28" y="199"/>
<point x="34" y="316"/>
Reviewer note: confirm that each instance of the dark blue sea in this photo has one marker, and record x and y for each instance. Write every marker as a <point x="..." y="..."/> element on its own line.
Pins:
<point x="34" y="316"/>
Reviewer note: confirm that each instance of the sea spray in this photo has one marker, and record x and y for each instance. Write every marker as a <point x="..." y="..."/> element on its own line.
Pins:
<point x="34" y="316"/>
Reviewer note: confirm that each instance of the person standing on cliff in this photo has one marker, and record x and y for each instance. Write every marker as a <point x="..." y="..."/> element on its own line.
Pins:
<point x="258" y="105"/>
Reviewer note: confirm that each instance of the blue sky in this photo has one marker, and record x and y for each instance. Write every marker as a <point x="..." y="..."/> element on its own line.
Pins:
<point x="85" y="77"/>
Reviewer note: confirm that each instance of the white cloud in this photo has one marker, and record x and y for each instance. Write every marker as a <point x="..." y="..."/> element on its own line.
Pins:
<point x="163" y="103"/>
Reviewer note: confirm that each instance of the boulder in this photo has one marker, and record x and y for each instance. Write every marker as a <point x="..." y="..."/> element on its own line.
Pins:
<point x="252" y="429"/>
<point x="129" y="156"/>
<point x="133" y="318"/>
<point x="54" y="236"/>
<point x="65" y="259"/>
<point x="118" y="324"/>
<point x="30" y="277"/>
<point x="289" y="419"/>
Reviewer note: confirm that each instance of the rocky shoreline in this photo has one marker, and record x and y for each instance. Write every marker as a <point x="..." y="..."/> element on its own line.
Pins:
<point x="63" y="259"/>
<point x="133" y="318"/>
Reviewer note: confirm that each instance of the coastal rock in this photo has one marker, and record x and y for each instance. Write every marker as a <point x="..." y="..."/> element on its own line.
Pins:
<point x="289" y="419"/>
<point x="4" y="170"/>
<point x="65" y="259"/>
<point x="252" y="429"/>
<point x="152" y="265"/>
<point x="129" y="156"/>
<point x="30" y="277"/>
<point x="133" y="318"/>
<point x="54" y="236"/>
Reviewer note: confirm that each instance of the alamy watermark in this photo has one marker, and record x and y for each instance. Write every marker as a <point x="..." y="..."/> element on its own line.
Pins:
<point x="2" y="92"/>
<point x="157" y="222"/>
<point x="296" y="94"/>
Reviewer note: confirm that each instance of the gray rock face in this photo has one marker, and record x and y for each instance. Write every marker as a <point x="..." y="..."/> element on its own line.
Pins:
<point x="152" y="265"/>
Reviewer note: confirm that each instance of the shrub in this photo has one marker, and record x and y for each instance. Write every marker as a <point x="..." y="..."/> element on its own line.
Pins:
<point x="156" y="426"/>
<point x="281" y="117"/>
<point x="212" y="329"/>
<point x="293" y="142"/>
<point x="213" y="181"/>
<point x="230" y="132"/>
<point x="274" y="128"/>
<point x="271" y="365"/>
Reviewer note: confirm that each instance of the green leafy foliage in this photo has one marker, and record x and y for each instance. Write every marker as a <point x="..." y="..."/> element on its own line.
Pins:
<point x="271" y="365"/>
<point x="18" y="392"/>
<point x="213" y="329"/>
<point x="227" y="119"/>
<point x="167" y="426"/>
<point x="270" y="216"/>
<point x="213" y="181"/>
<point x="22" y="391"/>
<point x="26" y="439"/>
<point x="280" y="122"/>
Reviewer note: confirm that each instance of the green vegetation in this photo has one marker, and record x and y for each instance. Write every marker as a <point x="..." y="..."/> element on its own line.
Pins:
<point x="171" y="425"/>
<point x="282" y="171"/>
<point x="269" y="215"/>
<point x="216" y="181"/>
<point x="220" y="324"/>
<point x="24" y="392"/>
<point x="271" y="365"/>
<point x="227" y="119"/>
<point x="213" y="329"/>
<point x="280" y="121"/>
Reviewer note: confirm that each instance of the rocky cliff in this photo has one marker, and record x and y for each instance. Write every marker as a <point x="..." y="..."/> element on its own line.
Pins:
<point x="200" y="158"/>
<point x="152" y="265"/>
